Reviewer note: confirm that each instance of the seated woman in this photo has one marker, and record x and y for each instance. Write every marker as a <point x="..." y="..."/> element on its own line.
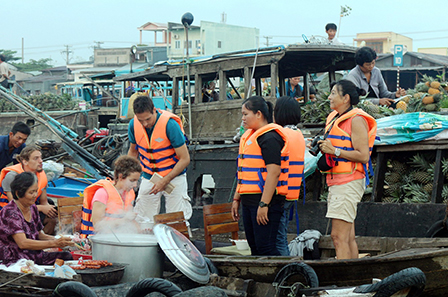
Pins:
<point x="21" y="235"/>
<point x="108" y="204"/>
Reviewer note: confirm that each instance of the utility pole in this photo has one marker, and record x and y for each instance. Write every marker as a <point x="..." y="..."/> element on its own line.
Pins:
<point x="23" y="44"/>
<point x="98" y="44"/>
<point x="345" y="11"/>
<point x="67" y="52"/>
<point x="267" y="39"/>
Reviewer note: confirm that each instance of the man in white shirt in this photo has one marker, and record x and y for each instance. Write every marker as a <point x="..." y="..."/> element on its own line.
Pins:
<point x="331" y="30"/>
<point x="4" y="72"/>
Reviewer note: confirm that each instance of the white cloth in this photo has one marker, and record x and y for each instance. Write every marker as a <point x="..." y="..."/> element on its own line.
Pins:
<point x="4" y="69"/>
<point x="147" y="206"/>
<point x="306" y="240"/>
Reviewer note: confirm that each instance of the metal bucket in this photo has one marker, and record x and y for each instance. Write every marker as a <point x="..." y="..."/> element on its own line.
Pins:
<point x="140" y="251"/>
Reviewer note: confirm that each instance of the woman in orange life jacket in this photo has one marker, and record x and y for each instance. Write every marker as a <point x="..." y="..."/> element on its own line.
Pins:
<point x="351" y="137"/>
<point x="287" y="114"/>
<point x="108" y="204"/>
<point x="262" y="176"/>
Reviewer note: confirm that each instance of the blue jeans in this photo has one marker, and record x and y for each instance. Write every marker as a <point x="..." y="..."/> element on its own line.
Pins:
<point x="282" y="239"/>
<point x="262" y="238"/>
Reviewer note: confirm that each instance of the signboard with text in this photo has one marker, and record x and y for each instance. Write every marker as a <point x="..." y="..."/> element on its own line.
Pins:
<point x="398" y="55"/>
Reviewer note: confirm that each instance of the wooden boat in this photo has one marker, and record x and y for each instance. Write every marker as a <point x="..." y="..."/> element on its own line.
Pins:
<point x="427" y="254"/>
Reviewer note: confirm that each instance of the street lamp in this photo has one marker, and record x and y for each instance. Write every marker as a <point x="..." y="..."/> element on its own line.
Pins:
<point x="187" y="20"/>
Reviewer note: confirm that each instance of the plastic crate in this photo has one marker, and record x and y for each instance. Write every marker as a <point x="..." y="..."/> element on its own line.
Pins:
<point x="76" y="255"/>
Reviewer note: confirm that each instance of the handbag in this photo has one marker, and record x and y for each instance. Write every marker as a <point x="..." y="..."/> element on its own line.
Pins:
<point x="325" y="162"/>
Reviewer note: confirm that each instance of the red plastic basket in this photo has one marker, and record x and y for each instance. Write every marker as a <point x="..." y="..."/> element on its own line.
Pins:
<point x="76" y="255"/>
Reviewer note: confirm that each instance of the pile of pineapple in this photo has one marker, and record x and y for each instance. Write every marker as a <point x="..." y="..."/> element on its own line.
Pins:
<point x="43" y="102"/>
<point x="410" y="179"/>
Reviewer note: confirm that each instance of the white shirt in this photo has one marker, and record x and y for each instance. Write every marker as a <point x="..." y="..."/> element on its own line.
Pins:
<point x="335" y="41"/>
<point x="4" y="69"/>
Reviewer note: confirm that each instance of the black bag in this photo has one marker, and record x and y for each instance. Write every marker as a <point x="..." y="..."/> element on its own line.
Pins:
<point x="325" y="162"/>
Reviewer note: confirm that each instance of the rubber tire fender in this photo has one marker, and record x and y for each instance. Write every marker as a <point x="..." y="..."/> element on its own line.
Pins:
<point x="297" y="268"/>
<point x="211" y="267"/>
<point x="73" y="289"/>
<point x="412" y="278"/>
<point x="438" y="229"/>
<point x="150" y="285"/>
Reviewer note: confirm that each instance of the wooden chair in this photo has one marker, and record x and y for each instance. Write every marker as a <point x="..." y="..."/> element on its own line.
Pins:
<point x="218" y="219"/>
<point x="70" y="212"/>
<point x="175" y="220"/>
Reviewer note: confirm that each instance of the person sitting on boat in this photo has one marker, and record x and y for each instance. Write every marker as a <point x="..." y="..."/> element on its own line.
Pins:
<point x="262" y="176"/>
<point x="369" y="78"/>
<point x="109" y="204"/>
<point x="208" y="92"/>
<point x="287" y="114"/>
<point x="295" y="90"/>
<point x="351" y="134"/>
<point x="31" y="161"/>
<point x="158" y="141"/>
<point x="21" y="234"/>
<point x="12" y="144"/>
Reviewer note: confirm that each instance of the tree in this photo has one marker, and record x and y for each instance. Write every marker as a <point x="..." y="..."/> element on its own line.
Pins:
<point x="9" y="55"/>
<point x="34" y="65"/>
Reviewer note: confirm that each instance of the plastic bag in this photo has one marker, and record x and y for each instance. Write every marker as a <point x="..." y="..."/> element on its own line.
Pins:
<point x="63" y="271"/>
<point x="26" y="266"/>
<point x="53" y="170"/>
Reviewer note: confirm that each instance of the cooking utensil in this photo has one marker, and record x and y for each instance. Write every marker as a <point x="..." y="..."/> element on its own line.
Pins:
<point x="104" y="276"/>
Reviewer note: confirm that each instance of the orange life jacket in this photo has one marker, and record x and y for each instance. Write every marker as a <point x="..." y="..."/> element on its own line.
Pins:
<point x="156" y="154"/>
<point x="296" y="162"/>
<point x="251" y="167"/>
<point x="42" y="183"/>
<point x="342" y="140"/>
<point x="115" y="207"/>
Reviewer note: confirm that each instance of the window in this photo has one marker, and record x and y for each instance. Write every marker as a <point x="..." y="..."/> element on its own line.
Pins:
<point x="190" y="43"/>
<point x="219" y="44"/>
<point x="177" y="44"/>
<point x="377" y="46"/>
<point x="198" y="43"/>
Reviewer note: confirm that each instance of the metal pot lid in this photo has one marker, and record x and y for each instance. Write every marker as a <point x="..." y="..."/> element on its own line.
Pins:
<point x="182" y="253"/>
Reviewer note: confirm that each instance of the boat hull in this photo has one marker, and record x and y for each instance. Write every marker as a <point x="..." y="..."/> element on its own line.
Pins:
<point x="354" y="272"/>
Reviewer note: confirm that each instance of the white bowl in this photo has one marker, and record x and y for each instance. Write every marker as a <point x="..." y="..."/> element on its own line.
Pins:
<point x="241" y="244"/>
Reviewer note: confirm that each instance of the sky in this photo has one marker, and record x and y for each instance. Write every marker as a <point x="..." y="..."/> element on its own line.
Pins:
<point x="48" y="26"/>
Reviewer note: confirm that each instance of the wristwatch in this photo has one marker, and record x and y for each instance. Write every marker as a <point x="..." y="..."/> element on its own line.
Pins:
<point x="262" y="204"/>
<point x="337" y="152"/>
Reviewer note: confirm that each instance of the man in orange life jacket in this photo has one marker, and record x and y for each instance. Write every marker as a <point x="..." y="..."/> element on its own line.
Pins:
<point x="158" y="141"/>
<point x="30" y="161"/>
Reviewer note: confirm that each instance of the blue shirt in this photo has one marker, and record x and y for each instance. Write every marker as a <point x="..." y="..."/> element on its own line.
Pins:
<point x="5" y="156"/>
<point x="173" y="132"/>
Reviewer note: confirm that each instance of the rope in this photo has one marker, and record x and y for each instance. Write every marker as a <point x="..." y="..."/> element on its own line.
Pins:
<point x="109" y="148"/>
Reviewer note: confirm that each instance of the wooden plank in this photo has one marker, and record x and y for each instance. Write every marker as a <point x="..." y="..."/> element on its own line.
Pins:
<point x="436" y="196"/>
<point x="223" y="228"/>
<point x="198" y="88"/>
<point x="378" y="179"/>
<point x="68" y="210"/>
<point x="169" y="217"/>
<point x="219" y="218"/>
<point x="222" y="85"/>
<point x="216" y="208"/>
<point x="274" y="75"/>
<point x="70" y="201"/>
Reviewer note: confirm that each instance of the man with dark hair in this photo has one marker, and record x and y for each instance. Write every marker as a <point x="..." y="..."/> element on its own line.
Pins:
<point x="12" y="144"/>
<point x="331" y="30"/>
<point x="31" y="161"/>
<point x="158" y="142"/>
<point x="368" y="77"/>
<point x="4" y="72"/>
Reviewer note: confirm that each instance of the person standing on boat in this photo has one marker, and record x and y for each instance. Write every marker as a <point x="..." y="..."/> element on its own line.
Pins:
<point x="350" y="136"/>
<point x="12" y="144"/>
<point x="4" y="72"/>
<point x="21" y="231"/>
<point x="31" y="161"/>
<point x="369" y="78"/>
<point x="262" y="176"/>
<point x="109" y="203"/>
<point x="331" y="30"/>
<point x="159" y="143"/>
<point x="287" y="114"/>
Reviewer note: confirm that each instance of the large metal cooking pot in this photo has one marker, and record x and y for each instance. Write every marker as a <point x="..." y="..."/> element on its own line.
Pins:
<point x="140" y="251"/>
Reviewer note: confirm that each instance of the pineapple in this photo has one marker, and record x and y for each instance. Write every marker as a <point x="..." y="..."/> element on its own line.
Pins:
<point x="435" y="85"/>
<point x="432" y="91"/>
<point x="392" y="178"/>
<point x="399" y="167"/>
<point x="422" y="177"/>
<point x="402" y="105"/>
<point x="428" y="100"/>
<point x="428" y="188"/>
